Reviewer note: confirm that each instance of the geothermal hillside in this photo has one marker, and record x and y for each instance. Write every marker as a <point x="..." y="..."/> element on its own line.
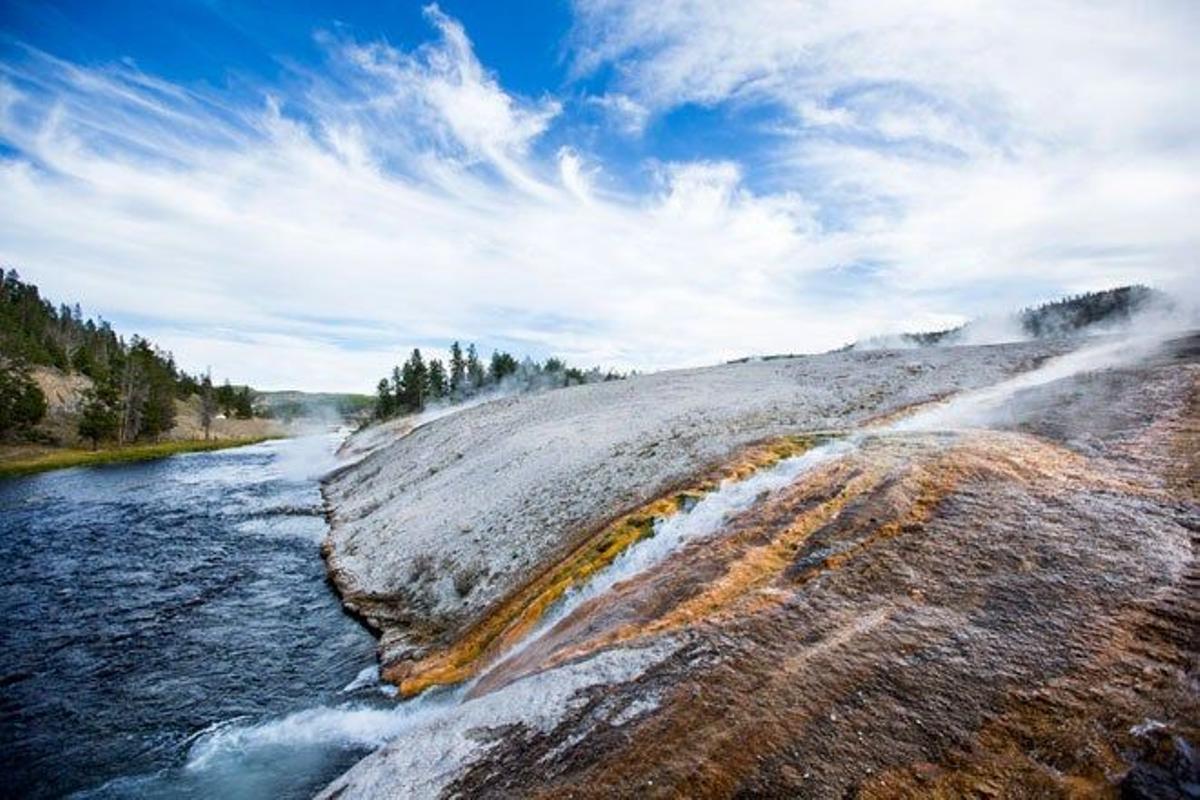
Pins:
<point x="936" y="572"/>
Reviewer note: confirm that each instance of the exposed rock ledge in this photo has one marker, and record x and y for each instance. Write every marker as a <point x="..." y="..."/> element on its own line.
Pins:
<point x="429" y="531"/>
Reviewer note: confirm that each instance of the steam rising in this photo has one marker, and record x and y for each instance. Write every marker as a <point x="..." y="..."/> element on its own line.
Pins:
<point x="984" y="406"/>
<point x="309" y="455"/>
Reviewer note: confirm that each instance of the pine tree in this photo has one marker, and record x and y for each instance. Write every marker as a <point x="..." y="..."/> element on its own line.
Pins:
<point x="437" y="379"/>
<point x="133" y="393"/>
<point x="157" y="392"/>
<point x="100" y="418"/>
<point x="22" y="403"/>
<point x="225" y="398"/>
<point x="475" y="374"/>
<point x="415" y="378"/>
<point x="397" y="389"/>
<point x="458" y="371"/>
<point x="243" y="404"/>
<point x="158" y="414"/>
<point x="503" y="365"/>
<point x="385" y="400"/>
<point x="187" y="386"/>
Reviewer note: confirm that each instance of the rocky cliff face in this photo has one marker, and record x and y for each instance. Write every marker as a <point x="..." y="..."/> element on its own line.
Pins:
<point x="66" y="394"/>
<point x="64" y="400"/>
<point x="996" y="603"/>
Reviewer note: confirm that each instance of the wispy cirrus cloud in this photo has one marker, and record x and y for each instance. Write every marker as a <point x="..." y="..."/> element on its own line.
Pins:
<point x="961" y="141"/>
<point x="303" y="233"/>
<point x="396" y="188"/>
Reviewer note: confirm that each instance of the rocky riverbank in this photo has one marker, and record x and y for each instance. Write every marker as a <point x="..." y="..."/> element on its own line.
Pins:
<point x="1002" y="602"/>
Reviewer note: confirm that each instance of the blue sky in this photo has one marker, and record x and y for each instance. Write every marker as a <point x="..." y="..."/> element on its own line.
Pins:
<point x="296" y="196"/>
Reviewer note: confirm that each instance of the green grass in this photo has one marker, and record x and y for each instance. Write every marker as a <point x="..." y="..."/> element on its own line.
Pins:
<point x="60" y="459"/>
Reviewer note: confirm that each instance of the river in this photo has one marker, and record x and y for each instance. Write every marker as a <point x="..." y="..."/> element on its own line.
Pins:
<point x="149" y="610"/>
<point x="168" y="632"/>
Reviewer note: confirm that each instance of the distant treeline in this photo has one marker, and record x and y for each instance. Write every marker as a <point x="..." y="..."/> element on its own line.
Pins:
<point x="1075" y="313"/>
<point x="417" y="383"/>
<point x="1061" y="317"/>
<point x="134" y="383"/>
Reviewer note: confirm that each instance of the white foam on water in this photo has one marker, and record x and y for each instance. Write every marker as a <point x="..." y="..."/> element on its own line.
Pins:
<point x="121" y="786"/>
<point x="436" y="728"/>
<point x="345" y="726"/>
<point x="367" y="676"/>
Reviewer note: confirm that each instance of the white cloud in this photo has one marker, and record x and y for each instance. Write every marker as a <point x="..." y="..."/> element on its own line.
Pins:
<point x="1043" y="68"/>
<point x="957" y="141"/>
<point x="399" y="198"/>
<point x="628" y="115"/>
<point x="575" y="176"/>
<point x="380" y="218"/>
<point x="446" y="89"/>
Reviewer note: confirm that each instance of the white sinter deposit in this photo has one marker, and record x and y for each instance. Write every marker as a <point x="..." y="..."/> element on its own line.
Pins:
<point x="430" y="528"/>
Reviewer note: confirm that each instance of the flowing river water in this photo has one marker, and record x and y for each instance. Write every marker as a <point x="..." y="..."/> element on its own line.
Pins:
<point x="168" y="632"/>
<point x="150" y="609"/>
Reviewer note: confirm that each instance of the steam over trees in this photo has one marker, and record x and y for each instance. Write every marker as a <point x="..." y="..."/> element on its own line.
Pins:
<point x="416" y="384"/>
<point x="1066" y="317"/>
<point x="1071" y="314"/>
<point x="135" y="385"/>
<point x="475" y="374"/>
<point x="437" y="379"/>
<point x="501" y="367"/>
